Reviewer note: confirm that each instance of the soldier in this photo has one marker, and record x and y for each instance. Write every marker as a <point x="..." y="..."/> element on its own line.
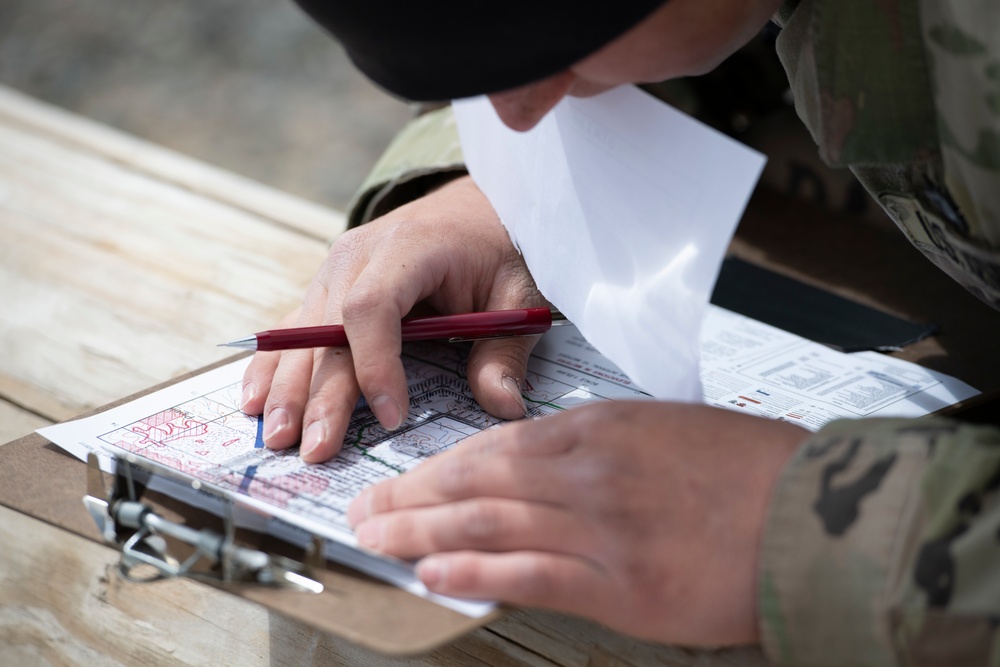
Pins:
<point x="869" y="542"/>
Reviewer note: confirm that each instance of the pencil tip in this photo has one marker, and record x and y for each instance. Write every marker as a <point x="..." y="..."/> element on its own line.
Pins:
<point x="248" y="343"/>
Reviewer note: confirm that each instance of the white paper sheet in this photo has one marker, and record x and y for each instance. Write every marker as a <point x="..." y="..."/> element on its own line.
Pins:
<point x="752" y="367"/>
<point x="623" y="208"/>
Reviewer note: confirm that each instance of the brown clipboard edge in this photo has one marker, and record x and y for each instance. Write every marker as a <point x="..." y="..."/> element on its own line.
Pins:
<point x="367" y="612"/>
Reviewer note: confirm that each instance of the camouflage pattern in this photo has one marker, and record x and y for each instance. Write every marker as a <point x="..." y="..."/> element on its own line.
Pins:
<point x="882" y="543"/>
<point x="424" y="155"/>
<point x="907" y="94"/>
<point x="883" y="547"/>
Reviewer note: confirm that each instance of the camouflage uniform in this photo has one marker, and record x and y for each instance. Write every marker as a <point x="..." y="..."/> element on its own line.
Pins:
<point x="883" y="541"/>
<point x="882" y="544"/>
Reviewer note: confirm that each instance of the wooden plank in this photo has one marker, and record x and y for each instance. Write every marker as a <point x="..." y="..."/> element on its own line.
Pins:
<point x="63" y="603"/>
<point x="16" y="422"/>
<point x="79" y="133"/>
<point x="115" y="281"/>
<point x="568" y="641"/>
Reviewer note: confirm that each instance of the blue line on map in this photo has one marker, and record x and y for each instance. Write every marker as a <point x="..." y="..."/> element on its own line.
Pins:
<point x="259" y="443"/>
<point x="252" y="470"/>
<point x="247" y="478"/>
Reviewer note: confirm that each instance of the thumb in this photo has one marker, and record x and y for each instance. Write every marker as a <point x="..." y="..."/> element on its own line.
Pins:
<point x="496" y="374"/>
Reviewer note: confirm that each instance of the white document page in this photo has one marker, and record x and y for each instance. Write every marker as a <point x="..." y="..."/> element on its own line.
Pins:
<point x="622" y="207"/>
<point x="753" y="367"/>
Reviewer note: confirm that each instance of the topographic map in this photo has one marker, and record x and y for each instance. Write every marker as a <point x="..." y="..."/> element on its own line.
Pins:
<point x="196" y="429"/>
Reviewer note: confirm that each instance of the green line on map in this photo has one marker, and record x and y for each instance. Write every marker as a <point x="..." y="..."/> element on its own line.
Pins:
<point x="368" y="455"/>
<point x="376" y="459"/>
<point x="551" y="405"/>
<point x="361" y="433"/>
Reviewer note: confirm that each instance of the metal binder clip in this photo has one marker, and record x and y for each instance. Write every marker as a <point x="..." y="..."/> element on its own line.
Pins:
<point x="124" y="520"/>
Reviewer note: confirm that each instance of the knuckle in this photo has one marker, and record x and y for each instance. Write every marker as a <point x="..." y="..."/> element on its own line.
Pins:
<point x="381" y="498"/>
<point x="361" y="301"/>
<point x="330" y="398"/>
<point x="345" y="253"/>
<point x="594" y="418"/>
<point x="459" y="476"/>
<point x="283" y="394"/>
<point x="397" y="233"/>
<point x="397" y="535"/>
<point x="535" y="580"/>
<point x="348" y="247"/>
<point x="512" y="354"/>
<point x="465" y="573"/>
<point x="483" y="522"/>
<point x="498" y="442"/>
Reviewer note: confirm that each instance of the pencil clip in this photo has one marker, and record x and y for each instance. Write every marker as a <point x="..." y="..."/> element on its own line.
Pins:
<point x="141" y="534"/>
<point x="558" y="320"/>
<point x="459" y="339"/>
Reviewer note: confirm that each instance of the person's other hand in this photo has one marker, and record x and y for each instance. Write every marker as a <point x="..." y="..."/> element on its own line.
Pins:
<point x="447" y="252"/>
<point x="644" y="516"/>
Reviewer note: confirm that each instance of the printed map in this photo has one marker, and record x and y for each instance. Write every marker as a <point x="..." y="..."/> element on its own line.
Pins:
<point x="210" y="439"/>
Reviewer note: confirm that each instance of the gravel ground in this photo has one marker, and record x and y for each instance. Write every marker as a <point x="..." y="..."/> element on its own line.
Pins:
<point x="249" y="85"/>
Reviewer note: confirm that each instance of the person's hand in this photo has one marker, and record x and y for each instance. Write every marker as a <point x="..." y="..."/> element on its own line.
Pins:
<point x="447" y="252"/>
<point x="644" y="516"/>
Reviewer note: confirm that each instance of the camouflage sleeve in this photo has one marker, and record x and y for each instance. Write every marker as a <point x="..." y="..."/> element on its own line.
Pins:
<point x="424" y="155"/>
<point x="882" y="547"/>
<point x="907" y="94"/>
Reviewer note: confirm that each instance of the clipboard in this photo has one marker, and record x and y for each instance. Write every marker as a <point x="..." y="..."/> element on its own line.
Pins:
<point x="39" y="479"/>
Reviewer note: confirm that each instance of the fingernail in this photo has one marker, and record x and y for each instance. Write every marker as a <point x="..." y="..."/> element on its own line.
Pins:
<point x="249" y="391"/>
<point x="371" y="533"/>
<point x="313" y="437"/>
<point x="431" y="571"/>
<point x="387" y="412"/>
<point x="513" y="388"/>
<point x="275" y="421"/>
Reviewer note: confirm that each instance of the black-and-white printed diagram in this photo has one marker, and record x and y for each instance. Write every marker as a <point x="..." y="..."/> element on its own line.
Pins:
<point x="208" y="438"/>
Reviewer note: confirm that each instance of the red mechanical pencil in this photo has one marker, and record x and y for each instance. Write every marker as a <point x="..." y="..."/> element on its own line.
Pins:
<point x="466" y="326"/>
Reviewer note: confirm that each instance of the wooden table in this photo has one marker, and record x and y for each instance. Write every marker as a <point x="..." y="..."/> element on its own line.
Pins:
<point x="121" y="266"/>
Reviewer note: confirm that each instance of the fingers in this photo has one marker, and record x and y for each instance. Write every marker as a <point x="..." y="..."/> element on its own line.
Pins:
<point x="520" y="460"/>
<point x="309" y="395"/>
<point x="372" y="309"/>
<point x="333" y="397"/>
<point x="257" y="381"/>
<point x="257" y="377"/>
<point x="496" y="374"/>
<point x="489" y="524"/>
<point x="523" y="578"/>
<point x="287" y="398"/>
<point x="291" y="378"/>
<point x="447" y="250"/>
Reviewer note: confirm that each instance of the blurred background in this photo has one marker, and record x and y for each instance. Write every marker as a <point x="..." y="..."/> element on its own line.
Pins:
<point x="253" y="86"/>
